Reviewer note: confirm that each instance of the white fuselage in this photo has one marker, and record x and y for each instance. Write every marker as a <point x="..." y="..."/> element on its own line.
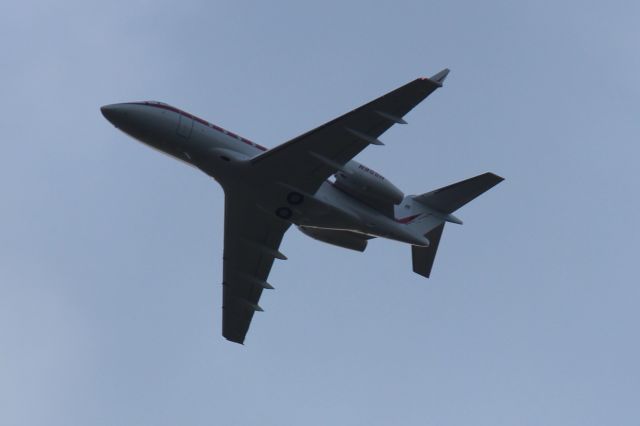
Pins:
<point x="224" y="156"/>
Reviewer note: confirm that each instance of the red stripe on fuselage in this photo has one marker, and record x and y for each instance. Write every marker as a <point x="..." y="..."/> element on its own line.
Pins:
<point x="201" y="121"/>
<point x="407" y="219"/>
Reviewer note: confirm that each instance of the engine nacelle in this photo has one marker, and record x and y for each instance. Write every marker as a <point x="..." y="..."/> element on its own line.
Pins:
<point x="363" y="182"/>
<point x="346" y="239"/>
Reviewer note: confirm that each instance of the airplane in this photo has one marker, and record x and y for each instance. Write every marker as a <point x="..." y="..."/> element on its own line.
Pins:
<point x="310" y="181"/>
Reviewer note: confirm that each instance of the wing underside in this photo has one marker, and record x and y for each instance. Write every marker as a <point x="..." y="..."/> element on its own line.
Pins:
<point x="251" y="242"/>
<point x="253" y="236"/>
<point x="309" y="159"/>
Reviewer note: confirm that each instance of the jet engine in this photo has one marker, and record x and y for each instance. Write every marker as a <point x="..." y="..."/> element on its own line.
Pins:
<point x="364" y="183"/>
<point x="346" y="239"/>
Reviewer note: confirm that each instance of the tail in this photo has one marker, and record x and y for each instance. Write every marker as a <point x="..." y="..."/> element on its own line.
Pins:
<point x="429" y="212"/>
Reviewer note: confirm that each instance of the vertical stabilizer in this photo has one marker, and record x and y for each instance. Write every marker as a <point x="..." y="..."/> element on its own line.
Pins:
<point x="429" y="212"/>
<point x="423" y="257"/>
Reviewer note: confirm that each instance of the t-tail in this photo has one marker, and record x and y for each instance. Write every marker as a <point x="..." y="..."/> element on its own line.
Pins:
<point x="427" y="214"/>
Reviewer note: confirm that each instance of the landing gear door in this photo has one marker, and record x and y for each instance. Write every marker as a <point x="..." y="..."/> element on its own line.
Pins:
<point x="185" y="126"/>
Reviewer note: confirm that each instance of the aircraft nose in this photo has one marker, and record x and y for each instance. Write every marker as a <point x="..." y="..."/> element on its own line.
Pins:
<point x="113" y="112"/>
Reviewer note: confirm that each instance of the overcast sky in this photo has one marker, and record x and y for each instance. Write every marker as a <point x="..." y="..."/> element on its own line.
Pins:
<point x="111" y="254"/>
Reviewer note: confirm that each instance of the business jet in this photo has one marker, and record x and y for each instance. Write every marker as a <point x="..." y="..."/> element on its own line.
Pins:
<point x="310" y="181"/>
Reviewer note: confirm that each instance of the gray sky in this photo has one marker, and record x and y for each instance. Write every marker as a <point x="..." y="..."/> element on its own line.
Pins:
<point x="110" y="262"/>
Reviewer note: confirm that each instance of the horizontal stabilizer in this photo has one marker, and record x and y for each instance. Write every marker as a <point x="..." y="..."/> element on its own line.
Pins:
<point x="450" y="198"/>
<point x="423" y="257"/>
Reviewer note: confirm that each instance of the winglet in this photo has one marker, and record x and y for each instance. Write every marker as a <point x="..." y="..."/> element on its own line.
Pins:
<point x="440" y="77"/>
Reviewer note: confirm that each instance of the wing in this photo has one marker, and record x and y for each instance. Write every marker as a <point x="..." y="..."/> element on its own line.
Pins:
<point x="308" y="160"/>
<point x="251" y="241"/>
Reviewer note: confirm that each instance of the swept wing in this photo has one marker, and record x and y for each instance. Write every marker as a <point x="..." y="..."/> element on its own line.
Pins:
<point x="308" y="160"/>
<point x="253" y="236"/>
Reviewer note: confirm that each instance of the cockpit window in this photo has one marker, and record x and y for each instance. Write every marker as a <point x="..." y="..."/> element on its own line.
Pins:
<point x="155" y="103"/>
